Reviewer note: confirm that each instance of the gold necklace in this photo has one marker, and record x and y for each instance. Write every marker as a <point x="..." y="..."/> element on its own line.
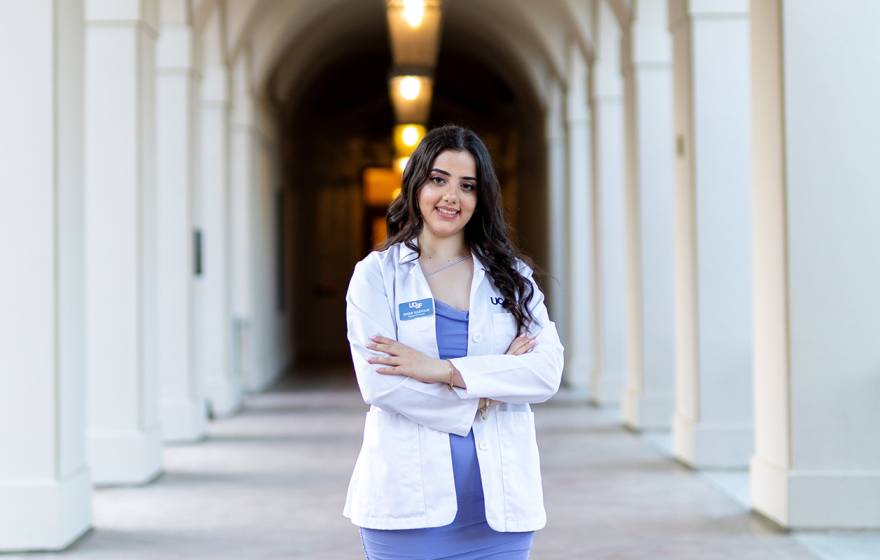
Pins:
<point x="445" y="266"/>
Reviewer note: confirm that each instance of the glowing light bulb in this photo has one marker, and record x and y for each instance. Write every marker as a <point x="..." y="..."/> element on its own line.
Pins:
<point x="410" y="87"/>
<point x="410" y="135"/>
<point x="414" y="12"/>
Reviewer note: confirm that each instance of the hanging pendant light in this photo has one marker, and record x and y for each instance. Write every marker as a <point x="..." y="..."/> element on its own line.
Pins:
<point x="414" y="26"/>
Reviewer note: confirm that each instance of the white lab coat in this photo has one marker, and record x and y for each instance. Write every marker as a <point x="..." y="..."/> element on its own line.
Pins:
<point x="403" y="475"/>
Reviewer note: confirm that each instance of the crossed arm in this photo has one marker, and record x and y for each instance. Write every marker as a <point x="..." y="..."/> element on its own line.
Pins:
<point x="396" y="377"/>
<point x="400" y="359"/>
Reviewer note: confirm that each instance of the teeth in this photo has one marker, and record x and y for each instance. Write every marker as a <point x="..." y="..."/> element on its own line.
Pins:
<point x="447" y="212"/>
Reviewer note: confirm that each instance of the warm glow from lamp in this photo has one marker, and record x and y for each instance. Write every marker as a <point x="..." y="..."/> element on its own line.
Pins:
<point x="414" y="12"/>
<point x="410" y="135"/>
<point x="411" y="97"/>
<point x="380" y="184"/>
<point x="414" y="29"/>
<point x="379" y="230"/>
<point x="407" y="137"/>
<point x="395" y="193"/>
<point x="410" y="88"/>
<point x="400" y="164"/>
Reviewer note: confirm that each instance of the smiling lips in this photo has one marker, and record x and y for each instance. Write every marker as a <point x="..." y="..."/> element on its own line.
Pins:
<point x="448" y="213"/>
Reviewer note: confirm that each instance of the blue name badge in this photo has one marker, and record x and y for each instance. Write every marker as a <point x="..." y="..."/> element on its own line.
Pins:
<point x="415" y="309"/>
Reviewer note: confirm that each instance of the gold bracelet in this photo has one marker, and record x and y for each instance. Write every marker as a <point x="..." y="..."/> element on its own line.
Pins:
<point x="485" y="407"/>
<point x="451" y="376"/>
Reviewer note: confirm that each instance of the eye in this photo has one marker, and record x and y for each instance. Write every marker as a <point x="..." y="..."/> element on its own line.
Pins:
<point x="438" y="180"/>
<point x="468" y="186"/>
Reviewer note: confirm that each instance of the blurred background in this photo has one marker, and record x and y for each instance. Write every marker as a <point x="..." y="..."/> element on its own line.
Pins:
<point x="187" y="185"/>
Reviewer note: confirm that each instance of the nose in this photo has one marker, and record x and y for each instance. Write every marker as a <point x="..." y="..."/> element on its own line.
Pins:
<point x="451" y="192"/>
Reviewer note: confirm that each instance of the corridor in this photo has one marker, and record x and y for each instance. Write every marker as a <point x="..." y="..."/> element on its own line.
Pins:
<point x="270" y="483"/>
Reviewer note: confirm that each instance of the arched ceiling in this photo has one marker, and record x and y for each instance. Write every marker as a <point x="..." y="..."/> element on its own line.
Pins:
<point x="285" y="35"/>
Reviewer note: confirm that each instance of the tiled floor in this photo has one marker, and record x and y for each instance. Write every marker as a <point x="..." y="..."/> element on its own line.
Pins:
<point x="270" y="483"/>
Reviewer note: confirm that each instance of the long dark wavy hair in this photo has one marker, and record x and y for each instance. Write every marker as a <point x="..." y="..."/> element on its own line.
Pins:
<point x="486" y="231"/>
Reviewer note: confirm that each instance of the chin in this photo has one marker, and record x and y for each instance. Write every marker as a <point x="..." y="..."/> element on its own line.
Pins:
<point x="444" y="230"/>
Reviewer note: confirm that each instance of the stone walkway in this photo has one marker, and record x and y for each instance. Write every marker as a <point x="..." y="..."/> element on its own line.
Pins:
<point x="270" y="482"/>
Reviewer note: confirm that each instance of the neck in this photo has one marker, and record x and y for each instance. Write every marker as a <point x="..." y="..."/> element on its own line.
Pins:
<point x="441" y="248"/>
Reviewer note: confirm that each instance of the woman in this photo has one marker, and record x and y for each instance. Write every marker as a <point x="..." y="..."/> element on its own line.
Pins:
<point x="450" y="341"/>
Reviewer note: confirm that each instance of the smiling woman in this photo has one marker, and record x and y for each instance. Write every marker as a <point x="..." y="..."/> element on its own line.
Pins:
<point x="450" y="188"/>
<point x="444" y="322"/>
<point x="449" y="197"/>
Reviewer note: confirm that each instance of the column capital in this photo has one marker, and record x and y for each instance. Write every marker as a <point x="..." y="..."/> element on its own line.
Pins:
<point x="215" y="85"/>
<point x="650" y="45"/>
<point x="607" y="81"/>
<point x="174" y="48"/>
<point x="123" y="12"/>
<point x="680" y="11"/>
<point x="718" y="8"/>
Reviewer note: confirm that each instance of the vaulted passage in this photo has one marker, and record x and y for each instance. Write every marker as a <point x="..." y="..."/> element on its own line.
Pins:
<point x="189" y="183"/>
<point x="336" y="120"/>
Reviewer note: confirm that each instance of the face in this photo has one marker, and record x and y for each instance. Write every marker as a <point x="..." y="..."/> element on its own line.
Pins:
<point x="448" y="198"/>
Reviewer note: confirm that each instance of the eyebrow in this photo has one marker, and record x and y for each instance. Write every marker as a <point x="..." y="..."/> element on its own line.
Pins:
<point x="438" y="170"/>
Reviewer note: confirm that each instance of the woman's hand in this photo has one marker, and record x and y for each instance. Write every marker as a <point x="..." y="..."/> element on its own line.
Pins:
<point x="519" y="345"/>
<point x="403" y="360"/>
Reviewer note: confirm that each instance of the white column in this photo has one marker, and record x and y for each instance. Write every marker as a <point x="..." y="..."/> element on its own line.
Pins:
<point x="713" y="418"/>
<point x="124" y="435"/>
<point x="182" y="407"/>
<point x="557" y="213"/>
<point x="609" y="372"/>
<point x="243" y="190"/>
<point x="270" y="326"/>
<point x="579" y="361"/>
<point x="214" y="327"/>
<point x="817" y="264"/>
<point x="647" y="69"/>
<point x="45" y="485"/>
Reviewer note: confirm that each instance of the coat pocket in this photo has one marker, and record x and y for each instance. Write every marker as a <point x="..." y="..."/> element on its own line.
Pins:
<point x="392" y="470"/>
<point x="520" y="464"/>
<point x="418" y="334"/>
<point x="503" y="331"/>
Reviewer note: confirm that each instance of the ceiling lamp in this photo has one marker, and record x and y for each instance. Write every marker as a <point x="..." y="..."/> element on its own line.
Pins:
<point x="414" y="26"/>
<point x="400" y="164"/>
<point x="411" y="97"/>
<point x="414" y="12"/>
<point x="410" y="87"/>
<point x="407" y="137"/>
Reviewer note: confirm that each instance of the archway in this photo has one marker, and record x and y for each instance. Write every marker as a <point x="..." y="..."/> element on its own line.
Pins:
<point x="335" y="121"/>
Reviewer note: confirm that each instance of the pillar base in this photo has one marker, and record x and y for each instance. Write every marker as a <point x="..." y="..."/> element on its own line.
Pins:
<point x="706" y="445"/>
<point x="224" y="399"/>
<point x="821" y="499"/>
<point x="265" y="380"/>
<point x="576" y="374"/>
<point x="608" y="388"/>
<point x="648" y="411"/>
<point x="125" y="458"/>
<point x="45" y="516"/>
<point x="183" y="421"/>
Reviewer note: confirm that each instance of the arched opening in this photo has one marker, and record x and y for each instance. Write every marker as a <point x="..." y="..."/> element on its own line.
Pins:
<point x="335" y="122"/>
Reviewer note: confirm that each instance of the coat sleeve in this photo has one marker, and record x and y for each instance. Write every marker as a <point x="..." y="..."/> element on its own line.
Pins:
<point x="533" y="377"/>
<point x="369" y="311"/>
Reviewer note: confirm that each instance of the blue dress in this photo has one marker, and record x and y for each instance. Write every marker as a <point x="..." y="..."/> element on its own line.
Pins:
<point x="469" y="536"/>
